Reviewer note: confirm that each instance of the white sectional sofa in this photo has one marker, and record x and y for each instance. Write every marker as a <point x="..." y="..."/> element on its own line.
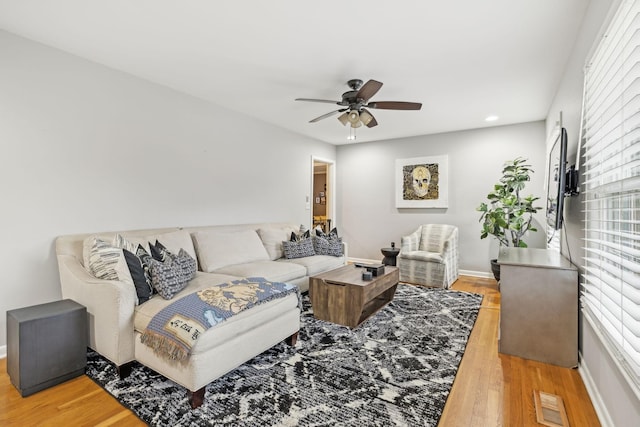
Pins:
<point x="224" y="253"/>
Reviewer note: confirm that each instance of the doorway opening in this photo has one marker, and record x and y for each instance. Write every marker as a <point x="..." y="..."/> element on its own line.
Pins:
<point x="322" y="194"/>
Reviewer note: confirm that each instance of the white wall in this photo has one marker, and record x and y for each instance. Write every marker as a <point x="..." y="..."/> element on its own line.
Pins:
<point x="615" y="402"/>
<point x="85" y="148"/>
<point x="366" y="183"/>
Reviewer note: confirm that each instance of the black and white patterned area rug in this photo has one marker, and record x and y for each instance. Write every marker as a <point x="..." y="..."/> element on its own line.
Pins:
<point x="397" y="368"/>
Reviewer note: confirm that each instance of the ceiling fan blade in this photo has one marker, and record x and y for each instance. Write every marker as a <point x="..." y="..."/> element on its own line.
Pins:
<point x="318" y="100"/>
<point x="369" y="89"/>
<point x="395" y="105"/>
<point x="324" y="116"/>
<point x="371" y="122"/>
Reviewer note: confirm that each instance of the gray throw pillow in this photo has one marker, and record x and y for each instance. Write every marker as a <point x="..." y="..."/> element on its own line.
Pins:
<point x="300" y="236"/>
<point x="298" y="249"/>
<point x="328" y="244"/>
<point x="172" y="275"/>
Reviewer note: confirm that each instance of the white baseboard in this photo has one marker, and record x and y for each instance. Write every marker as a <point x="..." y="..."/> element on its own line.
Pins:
<point x="594" y="394"/>
<point x="484" y="274"/>
<point x="363" y="261"/>
<point x="3" y="351"/>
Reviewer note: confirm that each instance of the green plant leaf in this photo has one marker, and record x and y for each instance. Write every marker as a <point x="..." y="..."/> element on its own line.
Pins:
<point x="509" y="215"/>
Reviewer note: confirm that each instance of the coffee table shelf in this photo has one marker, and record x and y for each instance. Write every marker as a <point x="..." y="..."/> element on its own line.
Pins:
<point x="341" y="296"/>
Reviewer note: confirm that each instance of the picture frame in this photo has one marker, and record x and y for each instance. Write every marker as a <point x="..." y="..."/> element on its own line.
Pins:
<point x="422" y="182"/>
<point x="317" y="200"/>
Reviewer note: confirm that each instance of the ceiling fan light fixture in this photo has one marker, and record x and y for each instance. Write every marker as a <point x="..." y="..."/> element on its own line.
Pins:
<point x="365" y="117"/>
<point x="344" y="118"/>
<point x="354" y="119"/>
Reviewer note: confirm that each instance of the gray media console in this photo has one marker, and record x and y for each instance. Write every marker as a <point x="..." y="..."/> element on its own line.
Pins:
<point x="538" y="306"/>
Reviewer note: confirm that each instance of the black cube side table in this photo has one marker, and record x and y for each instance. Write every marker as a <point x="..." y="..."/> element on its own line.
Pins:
<point x="46" y="345"/>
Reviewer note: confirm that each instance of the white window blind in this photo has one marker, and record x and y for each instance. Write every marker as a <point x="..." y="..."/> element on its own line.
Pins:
<point x="610" y="284"/>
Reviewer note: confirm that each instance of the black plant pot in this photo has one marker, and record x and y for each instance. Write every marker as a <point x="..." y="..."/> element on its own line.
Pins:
<point x="495" y="269"/>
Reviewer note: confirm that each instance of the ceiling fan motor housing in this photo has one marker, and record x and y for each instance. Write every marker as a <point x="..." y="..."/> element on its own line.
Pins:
<point x="355" y="84"/>
<point x="351" y="99"/>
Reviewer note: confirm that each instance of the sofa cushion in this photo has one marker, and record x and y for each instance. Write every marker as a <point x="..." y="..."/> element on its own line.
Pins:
<point x="272" y="239"/>
<point x="218" y="249"/>
<point x="270" y="270"/>
<point x="316" y="264"/>
<point x="421" y="256"/>
<point x="434" y="236"/>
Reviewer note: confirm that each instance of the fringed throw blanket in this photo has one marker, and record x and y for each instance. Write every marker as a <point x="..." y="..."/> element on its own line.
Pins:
<point x="176" y="328"/>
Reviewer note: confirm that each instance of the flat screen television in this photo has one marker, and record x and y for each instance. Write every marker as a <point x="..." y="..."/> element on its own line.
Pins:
<point x="556" y="177"/>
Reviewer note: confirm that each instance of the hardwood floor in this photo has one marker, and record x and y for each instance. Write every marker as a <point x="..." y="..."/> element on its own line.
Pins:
<point x="493" y="389"/>
<point x="490" y="389"/>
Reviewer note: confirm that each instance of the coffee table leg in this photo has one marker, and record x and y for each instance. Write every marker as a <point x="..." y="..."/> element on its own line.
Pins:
<point x="373" y="306"/>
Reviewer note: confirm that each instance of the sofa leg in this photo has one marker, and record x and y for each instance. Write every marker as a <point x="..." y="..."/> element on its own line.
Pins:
<point x="124" y="370"/>
<point x="293" y="339"/>
<point x="196" y="398"/>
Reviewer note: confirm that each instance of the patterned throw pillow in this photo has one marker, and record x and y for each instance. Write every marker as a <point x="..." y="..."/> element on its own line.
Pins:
<point x="171" y="276"/>
<point x="187" y="263"/>
<point x="328" y="244"/>
<point x="139" y="264"/>
<point x="298" y="248"/>
<point x="159" y="251"/>
<point x="296" y="237"/>
<point x="105" y="258"/>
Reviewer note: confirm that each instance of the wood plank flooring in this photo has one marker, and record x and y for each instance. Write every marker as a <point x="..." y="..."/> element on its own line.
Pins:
<point x="490" y="389"/>
<point x="493" y="389"/>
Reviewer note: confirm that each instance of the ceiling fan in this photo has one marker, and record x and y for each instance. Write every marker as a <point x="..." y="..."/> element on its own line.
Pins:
<point x="356" y="102"/>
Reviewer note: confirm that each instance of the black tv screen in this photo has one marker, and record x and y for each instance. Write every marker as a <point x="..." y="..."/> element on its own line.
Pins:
<point x="556" y="180"/>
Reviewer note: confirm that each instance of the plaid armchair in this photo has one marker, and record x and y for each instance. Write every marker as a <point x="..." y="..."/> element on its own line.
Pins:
<point x="429" y="256"/>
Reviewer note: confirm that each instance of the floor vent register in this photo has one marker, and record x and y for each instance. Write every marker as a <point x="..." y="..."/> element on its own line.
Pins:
<point x="550" y="409"/>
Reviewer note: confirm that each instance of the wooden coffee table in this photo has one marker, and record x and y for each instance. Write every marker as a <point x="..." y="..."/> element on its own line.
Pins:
<point x="341" y="296"/>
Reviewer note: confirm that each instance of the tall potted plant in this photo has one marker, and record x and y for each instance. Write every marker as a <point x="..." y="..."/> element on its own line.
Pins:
<point x="508" y="215"/>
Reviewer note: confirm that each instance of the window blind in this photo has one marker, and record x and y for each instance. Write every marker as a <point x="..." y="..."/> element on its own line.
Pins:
<point x="610" y="284"/>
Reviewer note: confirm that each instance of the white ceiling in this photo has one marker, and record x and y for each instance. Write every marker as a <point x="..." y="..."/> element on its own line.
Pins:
<point x="463" y="59"/>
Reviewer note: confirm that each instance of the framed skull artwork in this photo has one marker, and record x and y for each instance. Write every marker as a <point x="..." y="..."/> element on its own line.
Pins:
<point x="422" y="182"/>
